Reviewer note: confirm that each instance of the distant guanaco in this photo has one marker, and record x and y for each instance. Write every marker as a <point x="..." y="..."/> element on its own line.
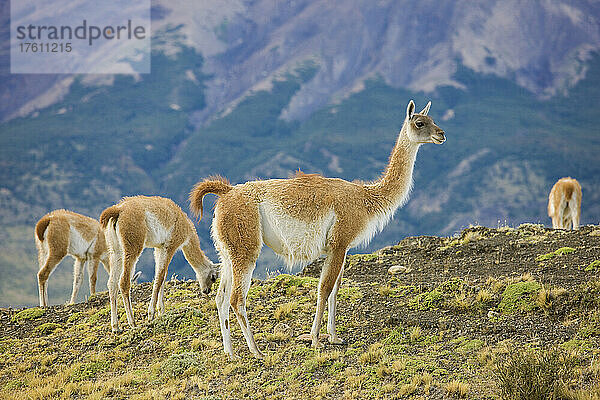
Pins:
<point x="62" y="233"/>
<point x="139" y="222"/>
<point x="564" y="204"/>
<point x="301" y="218"/>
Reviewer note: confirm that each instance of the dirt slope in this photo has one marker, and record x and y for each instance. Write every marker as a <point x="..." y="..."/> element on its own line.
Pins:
<point x="436" y="329"/>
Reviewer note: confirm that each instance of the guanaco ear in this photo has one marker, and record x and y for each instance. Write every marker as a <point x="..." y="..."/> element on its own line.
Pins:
<point x="425" y="111"/>
<point x="410" y="109"/>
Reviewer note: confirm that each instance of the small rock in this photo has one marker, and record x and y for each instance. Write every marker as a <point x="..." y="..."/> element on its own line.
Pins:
<point x="492" y="314"/>
<point x="399" y="269"/>
<point x="283" y="328"/>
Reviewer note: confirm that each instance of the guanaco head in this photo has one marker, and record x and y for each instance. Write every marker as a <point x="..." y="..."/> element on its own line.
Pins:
<point x="420" y="128"/>
<point x="207" y="277"/>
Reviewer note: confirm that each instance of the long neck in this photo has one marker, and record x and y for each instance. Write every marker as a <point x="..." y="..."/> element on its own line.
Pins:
<point x="194" y="254"/>
<point x="395" y="184"/>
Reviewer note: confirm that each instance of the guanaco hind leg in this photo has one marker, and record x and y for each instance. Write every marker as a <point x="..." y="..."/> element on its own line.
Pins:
<point x="239" y="292"/>
<point x="223" y="301"/>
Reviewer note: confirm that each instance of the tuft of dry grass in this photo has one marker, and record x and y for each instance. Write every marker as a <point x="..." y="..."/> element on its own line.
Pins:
<point x="495" y="284"/>
<point x="372" y="356"/>
<point x="426" y="380"/>
<point x="388" y="388"/>
<point x="407" y="389"/>
<point x="285" y="310"/>
<point x="323" y="390"/>
<point x="461" y="301"/>
<point x="385" y="290"/>
<point x="483" y="296"/>
<point x="544" y="299"/>
<point x="457" y="389"/>
<point x="485" y="356"/>
<point x="399" y="365"/>
<point x="353" y="379"/>
<point x="526" y="277"/>
<point x="382" y="370"/>
<point x="415" y="333"/>
<point x="471" y="236"/>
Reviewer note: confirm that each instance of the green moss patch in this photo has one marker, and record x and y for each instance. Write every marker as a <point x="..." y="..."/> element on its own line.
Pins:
<point x="286" y="280"/>
<point x="558" y="252"/>
<point x="593" y="265"/>
<point x="47" y="328"/>
<point x="438" y="297"/>
<point x="184" y="321"/>
<point x="182" y="363"/>
<point x="88" y="371"/>
<point x="519" y="297"/>
<point x="28" y="313"/>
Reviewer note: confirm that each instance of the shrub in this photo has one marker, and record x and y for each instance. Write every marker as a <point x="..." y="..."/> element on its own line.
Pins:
<point x="178" y="364"/>
<point x="183" y="321"/>
<point x="440" y="296"/>
<point x="88" y="371"/>
<point x="529" y="374"/>
<point x="558" y="252"/>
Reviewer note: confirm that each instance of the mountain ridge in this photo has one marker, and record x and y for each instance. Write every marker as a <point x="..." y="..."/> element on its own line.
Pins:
<point x="415" y="46"/>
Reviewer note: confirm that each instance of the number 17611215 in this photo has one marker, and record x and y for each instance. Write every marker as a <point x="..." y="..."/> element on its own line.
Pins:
<point x="50" y="47"/>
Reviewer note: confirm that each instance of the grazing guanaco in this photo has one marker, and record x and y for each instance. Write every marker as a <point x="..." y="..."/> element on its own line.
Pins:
<point x="303" y="217"/>
<point x="564" y="204"/>
<point x="62" y="233"/>
<point x="139" y="222"/>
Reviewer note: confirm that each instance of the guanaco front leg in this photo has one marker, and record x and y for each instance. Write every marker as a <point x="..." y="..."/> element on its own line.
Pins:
<point x="162" y="258"/>
<point x="78" y="266"/>
<point x="331" y="276"/>
<point x="332" y="310"/>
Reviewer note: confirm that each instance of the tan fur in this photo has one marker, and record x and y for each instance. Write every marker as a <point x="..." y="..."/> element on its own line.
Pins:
<point x="215" y="184"/>
<point x="302" y="217"/>
<point x="111" y="212"/>
<point x="139" y="222"/>
<point x="564" y="204"/>
<point x="61" y="233"/>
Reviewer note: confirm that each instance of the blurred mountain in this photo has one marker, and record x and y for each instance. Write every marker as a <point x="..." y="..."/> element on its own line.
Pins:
<point x="540" y="45"/>
<point x="259" y="89"/>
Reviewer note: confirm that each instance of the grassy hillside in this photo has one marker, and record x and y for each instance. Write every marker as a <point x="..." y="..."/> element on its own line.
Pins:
<point x="504" y="151"/>
<point x="491" y="314"/>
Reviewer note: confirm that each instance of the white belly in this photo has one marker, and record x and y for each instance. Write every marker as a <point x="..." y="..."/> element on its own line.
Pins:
<point x="78" y="246"/>
<point x="156" y="234"/>
<point x="294" y="240"/>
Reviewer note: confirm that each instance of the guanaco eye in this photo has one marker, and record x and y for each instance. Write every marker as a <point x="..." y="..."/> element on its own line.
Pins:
<point x="419" y="124"/>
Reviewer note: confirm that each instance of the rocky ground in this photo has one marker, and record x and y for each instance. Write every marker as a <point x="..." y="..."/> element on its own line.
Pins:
<point x="443" y="325"/>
